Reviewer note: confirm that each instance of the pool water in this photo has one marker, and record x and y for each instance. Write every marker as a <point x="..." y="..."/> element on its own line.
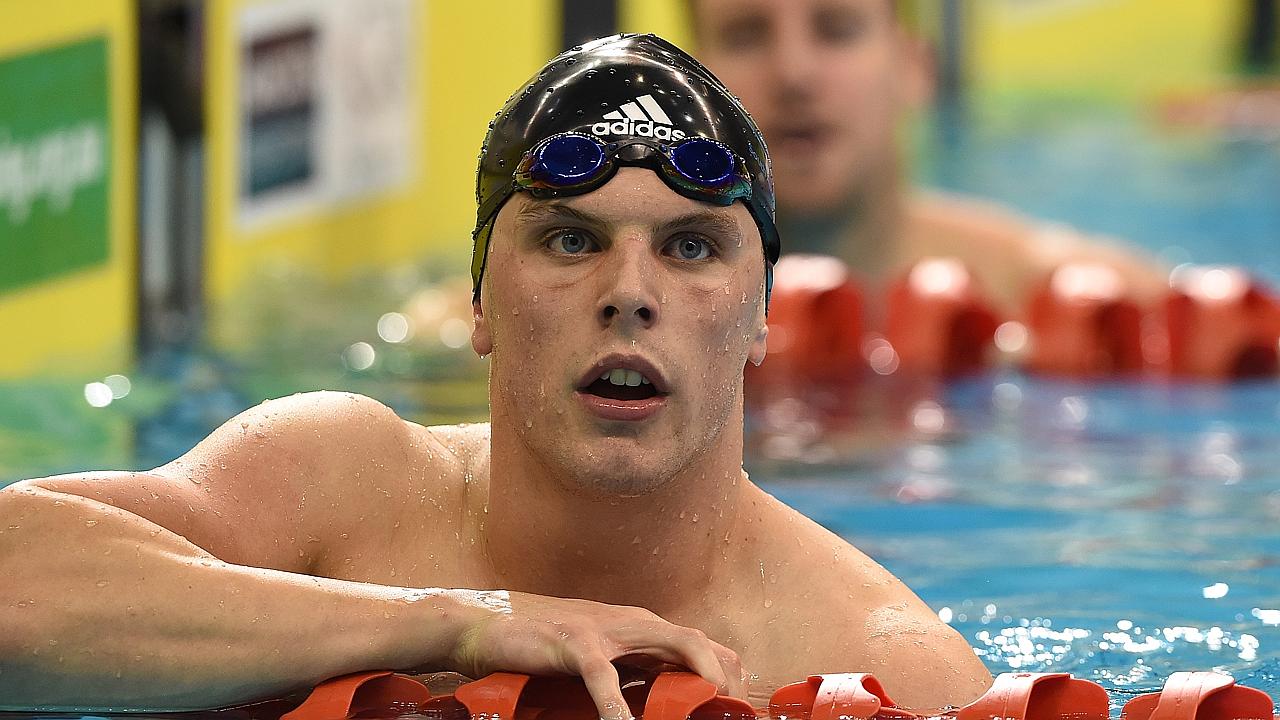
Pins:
<point x="1120" y="531"/>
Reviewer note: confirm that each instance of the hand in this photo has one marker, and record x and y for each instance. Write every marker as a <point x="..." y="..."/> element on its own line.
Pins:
<point x="541" y="635"/>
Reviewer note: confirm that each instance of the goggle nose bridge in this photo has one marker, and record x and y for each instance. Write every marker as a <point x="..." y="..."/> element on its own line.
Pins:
<point x="635" y="149"/>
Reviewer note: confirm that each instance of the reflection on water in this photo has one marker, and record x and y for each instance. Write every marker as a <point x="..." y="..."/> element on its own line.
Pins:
<point x="1118" y="531"/>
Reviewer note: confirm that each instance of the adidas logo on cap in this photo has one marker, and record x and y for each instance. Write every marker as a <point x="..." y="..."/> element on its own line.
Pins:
<point x="642" y="117"/>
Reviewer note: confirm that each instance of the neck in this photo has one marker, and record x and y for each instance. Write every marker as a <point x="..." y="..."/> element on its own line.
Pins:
<point x="864" y="231"/>
<point x="658" y="550"/>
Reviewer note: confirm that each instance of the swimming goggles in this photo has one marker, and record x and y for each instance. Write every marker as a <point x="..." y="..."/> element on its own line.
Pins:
<point x="574" y="163"/>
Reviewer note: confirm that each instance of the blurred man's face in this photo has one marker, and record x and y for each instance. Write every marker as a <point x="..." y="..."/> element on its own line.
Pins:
<point x="826" y="80"/>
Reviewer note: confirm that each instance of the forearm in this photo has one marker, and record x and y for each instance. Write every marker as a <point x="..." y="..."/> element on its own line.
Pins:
<point x="105" y="609"/>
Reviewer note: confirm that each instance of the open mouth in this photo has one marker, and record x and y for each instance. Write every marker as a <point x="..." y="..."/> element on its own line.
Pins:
<point x="622" y="384"/>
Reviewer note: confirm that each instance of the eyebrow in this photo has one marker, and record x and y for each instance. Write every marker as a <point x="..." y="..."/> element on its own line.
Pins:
<point x="552" y="211"/>
<point x="713" y="221"/>
<point x="716" y="222"/>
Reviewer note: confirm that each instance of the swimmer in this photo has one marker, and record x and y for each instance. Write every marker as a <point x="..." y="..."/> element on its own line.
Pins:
<point x="830" y="82"/>
<point x="601" y="519"/>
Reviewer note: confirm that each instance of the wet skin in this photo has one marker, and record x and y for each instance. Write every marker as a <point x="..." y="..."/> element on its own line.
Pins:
<point x="294" y="543"/>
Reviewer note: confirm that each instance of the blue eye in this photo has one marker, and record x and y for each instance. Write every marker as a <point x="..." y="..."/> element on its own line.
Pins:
<point x="571" y="242"/>
<point x="690" y="248"/>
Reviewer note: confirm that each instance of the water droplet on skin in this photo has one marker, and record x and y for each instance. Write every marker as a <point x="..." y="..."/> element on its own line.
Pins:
<point x="768" y="602"/>
<point x="90" y="523"/>
<point x="102" y="583"/>
<point x="528" y="424"/>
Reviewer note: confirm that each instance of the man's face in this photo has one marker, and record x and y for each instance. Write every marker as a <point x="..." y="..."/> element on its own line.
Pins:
<point x="630" y="278"/>
<point x="826" y="80"/>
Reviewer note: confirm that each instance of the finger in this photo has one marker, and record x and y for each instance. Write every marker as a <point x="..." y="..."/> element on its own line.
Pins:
<point x="733" y="670"/>
<point x="601" y="679"/>
<point x="690" y="648"/>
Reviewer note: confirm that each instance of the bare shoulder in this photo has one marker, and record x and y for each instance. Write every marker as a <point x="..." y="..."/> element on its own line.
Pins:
<point x="1011" y="252"/>
<point x="847" y="613"/>
<point x="272" y="486"/>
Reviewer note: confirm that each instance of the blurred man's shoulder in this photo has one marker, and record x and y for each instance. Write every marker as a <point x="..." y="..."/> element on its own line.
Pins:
<point x="1010" y="252"/>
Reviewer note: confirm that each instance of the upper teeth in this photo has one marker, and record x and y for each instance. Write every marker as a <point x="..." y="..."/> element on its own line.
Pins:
<point x="622" y="376"/>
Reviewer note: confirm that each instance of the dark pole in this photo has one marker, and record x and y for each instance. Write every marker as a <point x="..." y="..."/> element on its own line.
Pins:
<point x="1260" y="36"/>
<point x="583" y="20"/>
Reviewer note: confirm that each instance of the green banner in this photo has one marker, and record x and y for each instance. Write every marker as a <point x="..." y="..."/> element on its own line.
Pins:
<point x="55" y="162"/>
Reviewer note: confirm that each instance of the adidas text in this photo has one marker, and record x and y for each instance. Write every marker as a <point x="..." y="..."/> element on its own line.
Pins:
<point x="641" y="128"/>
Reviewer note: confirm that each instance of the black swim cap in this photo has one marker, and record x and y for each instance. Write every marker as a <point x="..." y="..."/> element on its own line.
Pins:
<point x="616" y="88"/>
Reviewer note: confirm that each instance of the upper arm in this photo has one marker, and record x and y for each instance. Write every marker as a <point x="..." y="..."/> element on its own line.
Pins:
<point x="855" y="616"/>
<point x="264" y="489"/>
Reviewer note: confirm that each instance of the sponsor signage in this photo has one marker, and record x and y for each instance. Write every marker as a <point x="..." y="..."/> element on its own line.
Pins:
<point x="326" y="109"/>
<point x="55" y="158"/>
<point x="642" y="117"/>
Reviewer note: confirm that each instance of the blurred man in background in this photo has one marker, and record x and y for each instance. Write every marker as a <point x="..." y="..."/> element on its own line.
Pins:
<point x="830" y="83"/>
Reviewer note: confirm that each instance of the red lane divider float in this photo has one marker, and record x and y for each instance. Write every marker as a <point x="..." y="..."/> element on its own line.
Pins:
<point x="1215" y="323"/>
<point x="1200" y="696"/>
<point x="1084" y="324"/>
<point x="1221" y="324"/>
<point x="843" y="696"/>
<point x="939" y="321"/>
<point x="513" y="696"/>
<point x="815" y="318"/>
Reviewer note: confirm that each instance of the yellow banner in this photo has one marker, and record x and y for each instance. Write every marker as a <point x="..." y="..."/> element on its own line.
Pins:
<point x="342" y="135"/>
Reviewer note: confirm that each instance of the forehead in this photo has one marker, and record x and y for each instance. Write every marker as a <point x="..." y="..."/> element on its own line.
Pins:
<point x="634" y="197"/>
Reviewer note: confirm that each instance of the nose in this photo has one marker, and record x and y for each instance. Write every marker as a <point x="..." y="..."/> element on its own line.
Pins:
<point x="795" y="61"/>
<point x="630" y="299"/>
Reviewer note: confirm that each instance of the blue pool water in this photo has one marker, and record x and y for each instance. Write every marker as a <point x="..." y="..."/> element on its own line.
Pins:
<point x="1119" y="531"/>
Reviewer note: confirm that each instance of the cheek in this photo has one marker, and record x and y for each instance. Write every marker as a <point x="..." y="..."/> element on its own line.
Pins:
<point x="863" y="83"/>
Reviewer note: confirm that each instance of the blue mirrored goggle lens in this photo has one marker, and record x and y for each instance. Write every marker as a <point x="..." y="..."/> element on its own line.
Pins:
<point x="703" y="161"/>
<point x="569" y="159"/>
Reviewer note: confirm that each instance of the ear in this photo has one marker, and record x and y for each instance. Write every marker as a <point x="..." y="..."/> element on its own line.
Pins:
<point x="481" y="338"/>
<point x="759" y="347"/>
<point x="918" y="74"/>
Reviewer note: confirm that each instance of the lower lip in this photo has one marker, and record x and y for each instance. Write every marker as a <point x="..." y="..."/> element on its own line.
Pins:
<point x="625" y="410"/>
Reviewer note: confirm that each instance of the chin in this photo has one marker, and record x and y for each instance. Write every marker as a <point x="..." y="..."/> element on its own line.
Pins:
<point x="815" y="193"/>
<point x="618" y="473"/>
<point x="618" y="482"/>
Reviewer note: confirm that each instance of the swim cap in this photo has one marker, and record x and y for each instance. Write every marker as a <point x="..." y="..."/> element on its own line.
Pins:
<point x="618" y="90"/>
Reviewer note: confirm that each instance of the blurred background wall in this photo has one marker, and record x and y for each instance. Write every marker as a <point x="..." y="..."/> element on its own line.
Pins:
<point x="165" y="163"/>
